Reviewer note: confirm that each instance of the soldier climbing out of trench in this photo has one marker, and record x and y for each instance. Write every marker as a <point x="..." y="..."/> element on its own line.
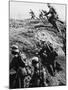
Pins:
<point x="52" y="17"/>
<point x="41" y="15"/>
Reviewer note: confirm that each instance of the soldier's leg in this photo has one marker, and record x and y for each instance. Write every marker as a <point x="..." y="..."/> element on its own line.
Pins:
<point x="44" y="77"/>
<point x="53" y="67"/>
<point x="58" y="29"/>
<point x="50" y="69"/>
<point x="54" y="24"/>
<point x="21" y="75"/>
<point x="52" y="21"/>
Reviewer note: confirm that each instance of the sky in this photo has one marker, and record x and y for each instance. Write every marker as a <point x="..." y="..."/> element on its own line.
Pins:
<point x="20" y="10"/>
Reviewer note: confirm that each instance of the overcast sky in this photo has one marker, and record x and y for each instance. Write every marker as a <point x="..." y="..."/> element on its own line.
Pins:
<point x="20" y="10"/>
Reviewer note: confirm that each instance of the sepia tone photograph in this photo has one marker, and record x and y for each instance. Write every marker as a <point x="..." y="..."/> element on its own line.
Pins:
<point x="37" y="44"/>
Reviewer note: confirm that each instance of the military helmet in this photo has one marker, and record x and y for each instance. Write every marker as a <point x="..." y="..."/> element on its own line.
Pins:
<point x="15" y="49"/>
<point x="35" y="60"/>
<point x="48" y="4"/>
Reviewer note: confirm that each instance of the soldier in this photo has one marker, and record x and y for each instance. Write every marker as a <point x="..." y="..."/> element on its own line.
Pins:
<point x="41" y="15"/>
<point x="51" y="55"/>
<point x="17" y="64"/>
<point x="47" y="56"/>
<point x="34" y="80"/>
<point x="38" y="76"/>
<point x="32" y="14"/>
<point x="52" y="17"/>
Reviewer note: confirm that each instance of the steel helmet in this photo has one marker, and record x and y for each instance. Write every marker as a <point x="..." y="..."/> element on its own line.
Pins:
<point x="15" y="49"/>
<point x="48" y="4"/>
<point x="35" y="59"/>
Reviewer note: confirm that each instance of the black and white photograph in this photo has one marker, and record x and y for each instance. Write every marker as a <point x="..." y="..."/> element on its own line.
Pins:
<point x="37" y="44"/>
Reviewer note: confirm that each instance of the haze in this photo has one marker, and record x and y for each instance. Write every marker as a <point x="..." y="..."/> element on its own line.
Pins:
<point x="20" y="10"/>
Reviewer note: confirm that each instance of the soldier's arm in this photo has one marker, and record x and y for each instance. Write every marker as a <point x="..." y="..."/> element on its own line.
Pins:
<point x="45" y="12"/>
<point x="21" y="62"/>
<point x="11" y="64"/>
<point x="54" y="10"/>
<point x="51" y="10"/>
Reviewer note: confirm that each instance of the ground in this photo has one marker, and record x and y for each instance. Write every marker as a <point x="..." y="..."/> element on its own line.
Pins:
<point x="28" y="35"/>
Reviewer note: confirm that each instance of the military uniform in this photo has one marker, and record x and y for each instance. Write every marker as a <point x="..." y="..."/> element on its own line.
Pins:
<point x="18" y="65"/>
<point x="52" y="17"/>
<point x="47" y="56"/>
<point x="32" y="14"/>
